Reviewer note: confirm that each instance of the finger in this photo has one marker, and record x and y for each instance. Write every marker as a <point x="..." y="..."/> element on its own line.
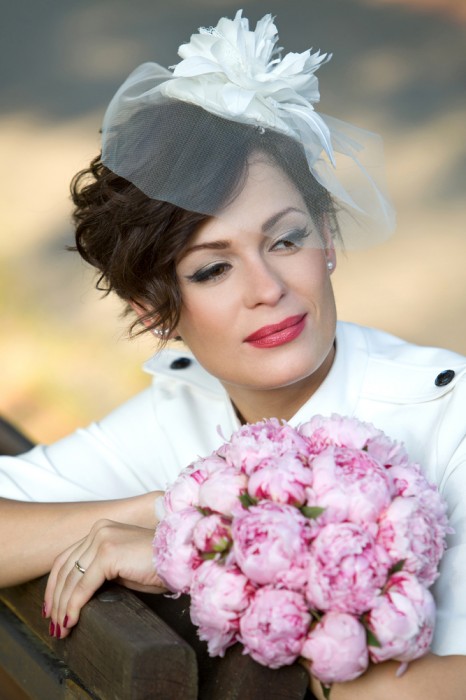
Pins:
<point x="64" y="566"/>
<point x="53" y="579"/>
<point x="78" y="590"/>
<point x="67" y="577"/>
<point x="81" y="576"/>
<point x="141" y="587"/>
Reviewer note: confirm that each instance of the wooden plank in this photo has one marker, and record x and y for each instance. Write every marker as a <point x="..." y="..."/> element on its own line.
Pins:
<point x="238" y="677"/>
<point x="12" y="441"/>
<point x="10" y="690"/>
<point x="73" y="691"/>
<point x="120" y="650"/>
<point x="36" y="672"/>
<point x="235" y="676"/>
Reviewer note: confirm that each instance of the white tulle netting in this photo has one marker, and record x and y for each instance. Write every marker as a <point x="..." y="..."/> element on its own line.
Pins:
<point x="185" y="136"/>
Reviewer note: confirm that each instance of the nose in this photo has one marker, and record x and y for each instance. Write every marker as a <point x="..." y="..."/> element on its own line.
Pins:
<point x="262" y="284"/>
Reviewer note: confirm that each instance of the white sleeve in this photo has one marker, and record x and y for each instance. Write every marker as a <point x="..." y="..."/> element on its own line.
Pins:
<point x="113" y="458"/>
<point x="449" y="589"/>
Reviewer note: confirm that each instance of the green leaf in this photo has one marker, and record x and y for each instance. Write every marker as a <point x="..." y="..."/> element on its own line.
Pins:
<point x="312" y="511"/>
<point x="397" y="567"/>
<point x="326" y="690"/>
<point x="247" y="501"/>
<point x="372" y="640"/>
<point x="208" y="555"/>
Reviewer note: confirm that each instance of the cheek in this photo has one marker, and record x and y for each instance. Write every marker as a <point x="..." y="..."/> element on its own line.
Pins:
<point x="310" y="277"/>
<point x="201" y="313"/>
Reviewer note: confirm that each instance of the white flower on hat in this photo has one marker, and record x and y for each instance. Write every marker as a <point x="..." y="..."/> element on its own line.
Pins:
<point x="239" y="74"/>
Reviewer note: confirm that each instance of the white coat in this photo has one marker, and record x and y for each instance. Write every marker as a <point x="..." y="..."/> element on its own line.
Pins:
<point x="375" y="377"/>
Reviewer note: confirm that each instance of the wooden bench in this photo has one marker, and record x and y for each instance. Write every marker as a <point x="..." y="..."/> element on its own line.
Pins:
<point x="126" y="646"/>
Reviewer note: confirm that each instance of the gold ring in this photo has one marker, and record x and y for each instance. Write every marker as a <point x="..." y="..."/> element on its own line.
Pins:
<point x="79" y="567"/>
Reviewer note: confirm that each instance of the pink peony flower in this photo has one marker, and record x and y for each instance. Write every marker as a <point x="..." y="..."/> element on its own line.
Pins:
<point x="387" y="452"/>
<point x="279" y="522"/>
<point x="212" y="533"/>
<point x="413" y="530"/>
<point x="346" y="570"/>
<point x="274" y="626"/>
<point x="184" y="492"/>
<point x="321" y="432"/>
<point x="407" y="480"/>
<point x="270" y="540"/>
<point x="258" y="445"/>
<point x="283" y="481"/>
<point x="221" y="490"/>
<point x="175" y="556"/>
<point x="337" y="648"/>
<point x="402" y="620"/>
<point x="219" y="595"/>
<point x="350" y="485"/>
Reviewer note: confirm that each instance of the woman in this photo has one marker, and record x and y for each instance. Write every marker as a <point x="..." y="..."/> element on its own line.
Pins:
<point x="214" y="212"/>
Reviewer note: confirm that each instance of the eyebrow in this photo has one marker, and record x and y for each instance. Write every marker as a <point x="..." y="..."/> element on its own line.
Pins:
<point x="270" y="223"/>
<point x="224" y="244"/>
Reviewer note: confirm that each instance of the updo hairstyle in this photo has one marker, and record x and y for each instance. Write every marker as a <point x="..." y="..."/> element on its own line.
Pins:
<point x="134" y="241"/>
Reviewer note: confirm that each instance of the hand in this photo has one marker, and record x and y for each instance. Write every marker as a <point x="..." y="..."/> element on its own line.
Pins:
<point x="111" y="551"/>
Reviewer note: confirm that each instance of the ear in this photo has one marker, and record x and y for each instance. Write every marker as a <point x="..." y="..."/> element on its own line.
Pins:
<point x="140" y="311"/>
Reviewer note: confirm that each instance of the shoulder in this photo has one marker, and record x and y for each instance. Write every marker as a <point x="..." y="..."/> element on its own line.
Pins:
<point x="403" y="372"/>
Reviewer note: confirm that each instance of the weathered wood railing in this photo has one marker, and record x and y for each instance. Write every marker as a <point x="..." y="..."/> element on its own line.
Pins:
<point x="123" y="649"/>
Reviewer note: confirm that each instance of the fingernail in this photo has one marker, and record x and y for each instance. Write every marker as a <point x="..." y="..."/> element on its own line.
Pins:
<point x="58" y="632"/>
<point x="65" y="622"/>
<point x="44" y="609"/>
<point x="51" y="629"/>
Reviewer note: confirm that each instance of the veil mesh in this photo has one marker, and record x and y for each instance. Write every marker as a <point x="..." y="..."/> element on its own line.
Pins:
<point x="186" y="136"/>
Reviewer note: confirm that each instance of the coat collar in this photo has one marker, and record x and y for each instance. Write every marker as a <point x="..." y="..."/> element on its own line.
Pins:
<point x="368" y="364"/>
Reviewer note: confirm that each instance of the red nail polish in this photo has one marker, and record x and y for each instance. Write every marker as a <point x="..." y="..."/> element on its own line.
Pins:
<point x="65" y="622"/>
<point x="58" y="632"/>
<point x="52" y="629"/>
<point x="44" y="609"/>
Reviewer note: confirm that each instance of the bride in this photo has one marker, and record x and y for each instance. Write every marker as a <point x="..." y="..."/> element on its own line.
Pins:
<point x="215" y="212"/>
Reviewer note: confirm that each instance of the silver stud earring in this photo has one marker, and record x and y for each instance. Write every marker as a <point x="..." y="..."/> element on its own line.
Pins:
<point x="159" y="333"/>
<point x="330" y="265"/>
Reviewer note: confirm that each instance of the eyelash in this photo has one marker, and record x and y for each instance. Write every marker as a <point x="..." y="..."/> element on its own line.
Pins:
<point x="209" y="273"/>
<point x="296" y="237"/>
<point x="217" y="270"/>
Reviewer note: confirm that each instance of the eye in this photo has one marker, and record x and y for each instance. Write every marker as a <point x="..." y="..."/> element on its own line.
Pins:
<point x="292" y="240"/>
<point x="209" y="273"/>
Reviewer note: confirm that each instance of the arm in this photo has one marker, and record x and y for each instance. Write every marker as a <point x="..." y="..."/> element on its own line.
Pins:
<point x="92" y="474"/>
<point x="429" y="678"/>
<point x="33" y="534"/>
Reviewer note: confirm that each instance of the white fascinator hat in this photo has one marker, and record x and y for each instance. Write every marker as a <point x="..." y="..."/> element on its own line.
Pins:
<point x="177" y="133"/>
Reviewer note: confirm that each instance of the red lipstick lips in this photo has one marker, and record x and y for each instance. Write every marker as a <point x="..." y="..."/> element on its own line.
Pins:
<point x="277" y="334"/>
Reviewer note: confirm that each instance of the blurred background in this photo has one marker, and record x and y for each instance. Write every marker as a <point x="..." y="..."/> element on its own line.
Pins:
<point x="398" y="68"/>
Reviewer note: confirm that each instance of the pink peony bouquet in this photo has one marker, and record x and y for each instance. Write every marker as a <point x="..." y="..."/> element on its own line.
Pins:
<point x="319" y="542"/>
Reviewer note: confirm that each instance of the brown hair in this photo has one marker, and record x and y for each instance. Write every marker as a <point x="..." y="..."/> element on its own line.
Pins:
<point x="135" y="241"/>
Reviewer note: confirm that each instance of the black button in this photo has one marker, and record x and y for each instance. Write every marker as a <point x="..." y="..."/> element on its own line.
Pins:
<point x="444" y="377"/>
<point x="180" y="363"/>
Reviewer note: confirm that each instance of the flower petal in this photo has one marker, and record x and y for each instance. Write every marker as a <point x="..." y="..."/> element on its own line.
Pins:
<point x="196" y="65"/>
<point x="235" y="99"/>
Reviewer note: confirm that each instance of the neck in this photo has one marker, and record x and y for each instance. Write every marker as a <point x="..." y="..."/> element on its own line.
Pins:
<point x="254" y="405"/>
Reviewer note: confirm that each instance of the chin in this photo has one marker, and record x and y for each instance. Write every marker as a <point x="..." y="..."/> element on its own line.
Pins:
<point x="280" y="378"/>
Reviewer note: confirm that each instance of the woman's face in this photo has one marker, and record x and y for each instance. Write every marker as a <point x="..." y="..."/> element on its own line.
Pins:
<point x="258" y="308"/>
